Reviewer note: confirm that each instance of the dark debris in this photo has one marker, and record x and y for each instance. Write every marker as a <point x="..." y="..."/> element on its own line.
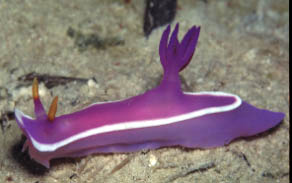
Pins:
<point x="73" y="176"/>
<point x="200" y="169"/>
<point x="158" y="13"/>
<point x="83" y="41"/>
<point x="268" y="174"/>
<point x="242" y="156"/>
<point x="50" y="81"/>
<point x="275" y="175"/>
<point x="245" y="159"/>
<point x="4" y="118"/>
<point x="123" y="163"/>
<point x="192" y="170"/>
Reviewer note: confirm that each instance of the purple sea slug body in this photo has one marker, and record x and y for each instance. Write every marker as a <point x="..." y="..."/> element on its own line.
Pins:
<point x="163" y="116"/>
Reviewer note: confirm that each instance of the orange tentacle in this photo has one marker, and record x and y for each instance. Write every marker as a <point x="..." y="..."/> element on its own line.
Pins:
<point x="53" y="109"/>
<point x="35" y="89"/>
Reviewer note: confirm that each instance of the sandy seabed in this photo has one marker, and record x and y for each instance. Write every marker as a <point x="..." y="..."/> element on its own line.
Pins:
<point x="243" y="49"/>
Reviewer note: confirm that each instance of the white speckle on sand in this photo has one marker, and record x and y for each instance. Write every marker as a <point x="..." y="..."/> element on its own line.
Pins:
<point x="152" y="160"/>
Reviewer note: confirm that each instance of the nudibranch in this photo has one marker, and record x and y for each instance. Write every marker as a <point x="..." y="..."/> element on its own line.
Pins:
<point x="163" y="116"/>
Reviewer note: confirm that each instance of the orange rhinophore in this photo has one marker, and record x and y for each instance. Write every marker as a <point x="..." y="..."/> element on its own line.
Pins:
<point x="35" y="89"/>
<point x="53" y="109"/>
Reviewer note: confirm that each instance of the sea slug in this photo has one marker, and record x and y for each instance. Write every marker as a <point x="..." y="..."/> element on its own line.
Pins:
<point x="163" y="116"/>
